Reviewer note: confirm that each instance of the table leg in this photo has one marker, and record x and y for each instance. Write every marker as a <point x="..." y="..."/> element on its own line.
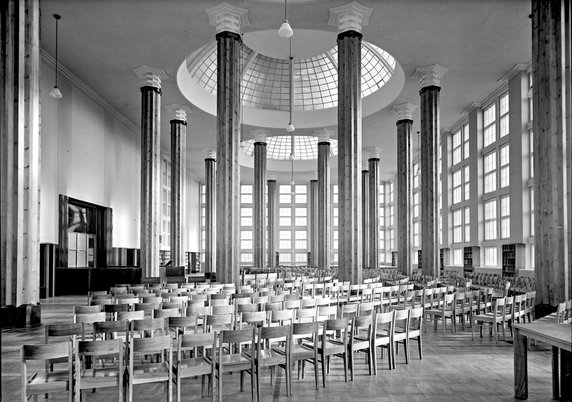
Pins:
<point x="555" y="375"/>
<point x="565" y="375"/>
<point x="520" y="365"/>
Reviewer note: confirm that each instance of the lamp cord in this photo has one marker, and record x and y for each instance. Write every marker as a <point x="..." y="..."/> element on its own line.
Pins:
<point x="286" y="9"/>
<point x="57" y="17"/>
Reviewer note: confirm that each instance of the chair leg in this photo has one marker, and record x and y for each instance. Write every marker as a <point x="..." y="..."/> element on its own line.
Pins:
<point x="374" y="357"/>
<point x="351" y="365"/>
<point x="346" y="365"/>
<point x="316" y="372"/>
<point x="323" y="371"/>
<point x="420" y="341"/>
<point x="258" y="381"/>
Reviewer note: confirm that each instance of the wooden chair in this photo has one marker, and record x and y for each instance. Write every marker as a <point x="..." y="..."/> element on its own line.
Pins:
<point x="254" y="318"/>
<point x="87" y="309"/>
<point x="304" y="347"/>
<point x="401" y="333"/>
<point x="131" y="315"/>
<point x="112" y="309"/>
<point x="267" y="356"/>
<point x="146" y="370"/>
<point x="214" y="323"/>
<point x="361" y="340"/>
<point x="494" y="319"/>
<point x="383" y="336"/>
<point x="98" y="375"/>
<point x="200" y="364"/>
<point x="44" y="382"/>
<point x="111" y="330"/>
<point x="416" y="329"/>
<point x="444" y="311"/>
<point x="87" y="321"/>
<point x="166" y="312"/>
<point x="228" y="359"/>
<point x="306" y="314"/>
<point x="530" y="305"/>
<point x="367" y="308"/>
<point x="335" y="344"/>
<point x="183" y="325"/>
<point x="148" y="328"/>
<point x="349" y="310"/>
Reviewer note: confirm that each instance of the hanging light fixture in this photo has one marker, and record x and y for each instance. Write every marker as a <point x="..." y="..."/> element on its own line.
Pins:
<point x="55" y="92"/>
<point x="290" y="127"/>
<point x="285" y="30"/>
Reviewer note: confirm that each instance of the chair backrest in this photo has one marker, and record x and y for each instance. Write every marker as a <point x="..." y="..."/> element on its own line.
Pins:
<point x="401" y="320"/>
<point x="366" y="308"/>
<point x="149" y="327"/>
<point x="217" y="322"/>
<point x="304" y="329"/>
<point x="230" y="337"/>
<point x="89" y="318"/>
<point x="219" y="302"/>
<point x="219" y="310"/>
<point x="337" y="328"/>
<point x="166" y="312"/>
<point x="107" y="348"/>
<point x="327" y="313"/>
<point x="273" y="306"/>
<point x="182" y="324"/>
<point x="193" y="342"/>
<point x="115" y="308"/>
<point x="349" y="310"/>
<point x="282" y="317"/>
<point x="416" y="318"/>
<point x="256" y="318"/>
<point x="62" y="332"/>
<point x="109" y="329"/>
<point x="384" y="321"/>
<point x="46" y="353"/>
<point x="561" y="314"/>
<point x="146" y="346"/>
<point x="268" y="334"/>
<point x="306" y="314"/>
<point x="360" y="323"/>
<point x="131" y="315"/>
<point x="87" y="309"/>
<point x="131" y="300"/>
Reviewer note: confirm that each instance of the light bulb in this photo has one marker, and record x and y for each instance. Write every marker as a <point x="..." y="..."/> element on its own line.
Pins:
<point x="56" y="93"/>
<point x="285" y="30"/>
<point x="290" y="128"/>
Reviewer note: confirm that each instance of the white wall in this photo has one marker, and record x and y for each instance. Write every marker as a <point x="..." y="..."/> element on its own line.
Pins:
<point x="88" y="154"/>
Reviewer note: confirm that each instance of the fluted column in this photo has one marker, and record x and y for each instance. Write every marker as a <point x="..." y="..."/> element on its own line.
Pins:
<point x="20" y="157"/>
<point x="430" y="82"/>
<point x="349" y="19"/>
<point x="259" y="192"/>
<point x="272" y="221"/>
<point x="324" y="200"/>
<point x="365" y="218"/>
<point x="150" y="80"/>
<point x="373" y="204"/>
<point x="210" y="211"/>
<point x="404" y="114"/>
<point x="228" y="21"/>
<point x="314" y="238"/>
<point x="551" y="100"/>
<point x="178" y="120"/>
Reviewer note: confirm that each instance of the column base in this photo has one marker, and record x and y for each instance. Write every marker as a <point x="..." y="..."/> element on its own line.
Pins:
<point x="23" y="316"/>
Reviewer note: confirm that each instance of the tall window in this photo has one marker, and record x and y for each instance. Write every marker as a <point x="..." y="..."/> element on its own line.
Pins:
<point x="457" y="256"/>
<point x="457" y="186"/>
<point x="165" y="204"/>
<point x="416" y="242"/>
<point x="246" y="225"/>
<point x="491" y="219"/>
<point x="505" y="217"/>
<point x="458" y="226"/>
<point x="335" y="220"/>
<point x="293" y="224"/>
<point x="491" y="256"/>
<point x="503" y="115"/>
<point x="203" y="202"/>
<point x="490" y="131"/>
<point x="504" y="166"/>
<point x="490" y="172"/>
<point x="456" y="144"/>
<point x="467" y="224"/>
<point x="467" y="183"/>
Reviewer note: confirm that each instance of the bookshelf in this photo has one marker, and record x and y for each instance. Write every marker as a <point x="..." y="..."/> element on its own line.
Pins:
<point x="471" y="259"/>
<point x="512" y="259"/>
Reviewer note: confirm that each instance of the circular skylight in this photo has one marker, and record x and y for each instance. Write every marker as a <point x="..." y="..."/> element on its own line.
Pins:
<point x="280" y="147"/>
<point x="265" y="79"/>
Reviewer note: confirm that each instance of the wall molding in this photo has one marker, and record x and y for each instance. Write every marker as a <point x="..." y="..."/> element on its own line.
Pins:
<point x="75" y="80"/>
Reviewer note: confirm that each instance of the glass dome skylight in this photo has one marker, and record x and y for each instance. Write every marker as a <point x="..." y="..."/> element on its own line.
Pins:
<point x="265" y="80"/>
<point x="279" y="147"/>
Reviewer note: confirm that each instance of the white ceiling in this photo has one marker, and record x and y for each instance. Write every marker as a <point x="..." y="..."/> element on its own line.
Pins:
<point x="102" y="41"/>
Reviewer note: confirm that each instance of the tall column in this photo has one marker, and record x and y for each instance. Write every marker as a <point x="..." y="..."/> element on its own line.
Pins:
<point x="20" y="156"/>
<point x="430" y="82"/>
<point x="550" y="39"/>
<point x="324" y="206"/>
<point x="404" y="114"/>
<point x="349" y="19"/>
<point x="178" y="120"/>
<point x="365" y="218"/>
<point x="259" y="192"/>
<point x="272" y="221"/>
<point x="373" y="204"/>
<point x="314" y="237"/>
<point x="210" y="211"/>
<point x="150" y="81"/>
<point x="228" y="20"/>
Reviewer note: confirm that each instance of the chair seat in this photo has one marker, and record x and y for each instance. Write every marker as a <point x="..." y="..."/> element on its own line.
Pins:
<point x="48" y="382"/>
<point x="193" y="366"/>
<point x="413" y="333"/>
<point x="361" y="343"/>
<point x="298" y="352"/>
<point x="399" y="335"/>
<point x="100" y="377"/>
<point x="333" y="347"/>
<point x="270" y="357"/>
<point x="145" y="372"/>
<point x="235" y="359"/>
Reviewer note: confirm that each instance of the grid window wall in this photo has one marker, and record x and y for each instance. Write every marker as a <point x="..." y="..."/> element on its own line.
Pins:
<point x="458" y="226"/>
<point x="467" y="223"/>
<point x="491" y="219"/>
<point x="504" y="166"/>
<point x="505" y="217"/>
<point x="293" y="224"/>
<point x="382" y="246"/>
<point x="457" y="186"/>
<point x="491" y="256"/>
<point x="335" y="221"/>
<point x="490" y="130"/>
<point x="246" y="225"/>
<point x="457" y="256"/>
<point x="490" y="172"/>
<point x="203" y="202"/>
<point x="165" y="239"/>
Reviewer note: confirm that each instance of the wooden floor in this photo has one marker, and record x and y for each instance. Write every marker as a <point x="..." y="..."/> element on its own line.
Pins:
<point x="454" y="368"/>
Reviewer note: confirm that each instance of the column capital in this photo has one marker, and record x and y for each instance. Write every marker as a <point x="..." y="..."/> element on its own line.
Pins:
<point x="150" y="77"/>
<point x="226" y="17"/>
<point x="324" y="134"/>
<point x="404" y="111"/>
<point x="270" y="177"/>
<point x="374" y="153"/>
<point x="430" y="75"/>
<point x="178" y="112"/>
<point x="259" y="135"/>
<point x="350" y="17"/>
<point x="210" y="154"/>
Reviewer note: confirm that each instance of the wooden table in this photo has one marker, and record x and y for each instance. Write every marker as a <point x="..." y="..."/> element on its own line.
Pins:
<point x="559" y="336"/>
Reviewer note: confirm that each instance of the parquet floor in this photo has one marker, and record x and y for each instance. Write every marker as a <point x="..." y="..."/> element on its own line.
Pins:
<point x="454" y="368"/>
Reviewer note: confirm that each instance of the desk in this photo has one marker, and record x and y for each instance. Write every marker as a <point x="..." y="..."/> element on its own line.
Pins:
<point x="559" y="336"/>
